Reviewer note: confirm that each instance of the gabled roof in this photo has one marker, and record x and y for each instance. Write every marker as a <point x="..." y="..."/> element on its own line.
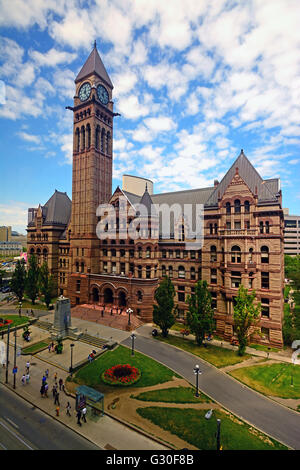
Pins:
<point x="94" y="65"/>
<point x="148" y="202"/>
<point x="266" y="190"/>
<point x="57" y="209"/>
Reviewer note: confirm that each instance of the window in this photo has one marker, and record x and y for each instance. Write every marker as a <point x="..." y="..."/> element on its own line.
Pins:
<point x="264" y="254"/>
<point x="181" y="272"/>
<point x="213" y="300"/>
<point x="261" y="227"/>
<point x="139" y="295"/>
<point x="170" y="271"/>
<point x="139" y="252"/>
<point x="210" y="229"/>
<point x="140" y="272"/>
<point x="267" y="227"/>
<point x="78" y="286"/>
<point x="177" y="253"/>
<point x="148" y="252"/>
<point x="247" y="207"/>
<point x="213" y="276"/>
<point x="228" y="225"/>
<point x="122" y="253"/>
<point x="122" y="268"/>
<point x="237" y="206"/>
<point x="236" y="279"/>
<point x="247" y="224"/>
<point x="250" y="280"/>
<point x="105" y="266"/>
<point x="216" y="228"/>
<point x="113" y="268"/>
<point x="213" y="254"/>
<point x="170" y="254"/>
<point x="265" y="333"/>
<point x="265" y="308"/>
<point x="235" y="254"/>
<point x="193" y="254"/>
<point x="148" y="272"/>
<point x="228" y="208"/>
<point x="193" y="274"/>
<point x="164" y="253"/>
<point x="163" y="271"/>
<point x="265" y="283"/>
<point x="237" y="225"/>
<point x="181" y="293"/>
<point x="113" y="252"/>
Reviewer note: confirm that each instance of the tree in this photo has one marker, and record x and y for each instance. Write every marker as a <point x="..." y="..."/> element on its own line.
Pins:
<point x="32" y="279"/>
<point x="246" y="316"/>
<point x="46" y="284"/>
<point x="18" y="280"/>
<point x="200" y="316"/>
<point x="164" y="311"/>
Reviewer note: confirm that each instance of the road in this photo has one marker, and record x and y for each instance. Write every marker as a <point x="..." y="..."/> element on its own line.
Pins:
<point x="24" y="427"/>
<point x="275" y="420"/>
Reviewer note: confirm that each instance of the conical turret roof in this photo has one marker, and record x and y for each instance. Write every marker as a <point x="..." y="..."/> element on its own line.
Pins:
<point x="94" y="65"/>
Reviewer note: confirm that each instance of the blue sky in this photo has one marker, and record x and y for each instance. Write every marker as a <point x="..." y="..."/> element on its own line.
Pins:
<point x="194" y="82"/>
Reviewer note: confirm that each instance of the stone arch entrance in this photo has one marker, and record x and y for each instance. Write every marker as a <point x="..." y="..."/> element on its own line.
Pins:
<point x="122" y="301"/>
<point x="95" y="295"/>
<point x="108" y="296"/>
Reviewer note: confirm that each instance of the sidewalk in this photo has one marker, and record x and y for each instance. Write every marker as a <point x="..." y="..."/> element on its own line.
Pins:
<point x="105" y="431"/>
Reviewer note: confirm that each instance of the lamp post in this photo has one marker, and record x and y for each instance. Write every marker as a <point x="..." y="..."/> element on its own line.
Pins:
<point x="7" y="354"/>
<point x="218" y="434"/>
<point x="71" y="368"/>
<point x="129" y="311"/>
<point x="133" y="336"/>
<point x="15" y="358"/>
<point x="20" y="308"/>
<point x="197" y="372"/>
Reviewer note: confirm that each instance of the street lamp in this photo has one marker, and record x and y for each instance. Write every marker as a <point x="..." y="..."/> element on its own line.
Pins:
<point x="129" y="311"/>
<point x="218" y="434"/>
<point x="197" y="372"/>
<point x="15" y="359"/>
<point x="20" y="308"/>
<point x="71" y="368"/>
<point x="133" y="336"/>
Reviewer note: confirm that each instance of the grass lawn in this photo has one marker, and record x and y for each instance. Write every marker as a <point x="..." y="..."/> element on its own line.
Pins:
<point x="219" y="357"/>
<point x="16" y="320"/>
<point x="152" y="372"/>
<point x="272" y="379"/>
<point x="35" y="347"/>
<point x="191" y="426"/>
<point x="262" y="347"/>
<point x="173" y="395"/>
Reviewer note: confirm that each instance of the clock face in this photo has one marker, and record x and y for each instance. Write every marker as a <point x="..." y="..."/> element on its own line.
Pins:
<point x="85" y="91"/>
<point x="102" y="94"/>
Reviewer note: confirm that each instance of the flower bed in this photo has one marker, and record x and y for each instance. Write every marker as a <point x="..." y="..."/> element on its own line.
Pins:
<point x="121" y="374"/>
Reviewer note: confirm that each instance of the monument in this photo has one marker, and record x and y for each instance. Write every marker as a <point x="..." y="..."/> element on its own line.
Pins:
<point x="62" y="326"/>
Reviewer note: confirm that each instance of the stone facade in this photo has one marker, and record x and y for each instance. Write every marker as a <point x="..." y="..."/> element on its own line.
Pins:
<point x="243" y="228"/>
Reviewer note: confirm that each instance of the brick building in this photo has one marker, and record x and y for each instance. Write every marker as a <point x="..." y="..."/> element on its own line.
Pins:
<point x="243" y="228"/>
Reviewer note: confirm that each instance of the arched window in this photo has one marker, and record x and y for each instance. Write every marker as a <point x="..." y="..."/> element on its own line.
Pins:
<point x="148" y="272"/>
<point x="107" y="142"/>
<point x="82" y="267"/>
<point x="267" y="227"/>
<point x="264" y="254"/>
<point x="113" y="252"/>
<point x="148" y="252"/>
<point x="97" y="138"/>
<point x="77" y="140"/>
<point x="139" y="295"/>
<point x="88" y="134"/>
<point x="250" y="255"/>
<point x="140" y="272"/>
<point x="163" y="270"/>
<point x="102" y="140"/>
<point x="213" y="253"/>
<point x="77" y="266"/>
<point x="237" y="206"/>
<point x="228" y="208"/>
<point x="247" y="207"/>
<point x="181" y="272"/>
<point x="261" y="227"/>
<point x="170" y="271"/>
<point x="82" y="138"/>
<point x="216" y="228"/>
<point x="235" y="254"/>
<point x="193" y="274"/>
<point x="210" y="229"/>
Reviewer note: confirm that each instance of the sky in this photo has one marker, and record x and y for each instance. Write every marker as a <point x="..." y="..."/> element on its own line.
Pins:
<point x="195" y="81"/>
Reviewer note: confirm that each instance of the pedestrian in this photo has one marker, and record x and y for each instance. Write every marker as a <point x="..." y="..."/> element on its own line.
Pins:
<point x="47" y="373"/>
<point x="78" y="416"/>
<point x="54" y="389"/>
<point x="27" y="377"/>
<point x="68" y="408"/>
<point x="42" y="390"/>
<point x="23" y="379"/>
<point x="44" y="379"/>
<point x="52" y="346"/>
<point x="57" y="410"/>
<point x="49" y="347"/>
<point x="56" y="399"/>
<point x="60" y="382"/>
<point x="84" y="414"/>
<point x="55" y="376"/>
<point x="46" y="389"/>
<point x="27" y="366"/>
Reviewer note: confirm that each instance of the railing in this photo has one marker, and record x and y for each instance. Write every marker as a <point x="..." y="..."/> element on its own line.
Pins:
<point x="238" y="232"/>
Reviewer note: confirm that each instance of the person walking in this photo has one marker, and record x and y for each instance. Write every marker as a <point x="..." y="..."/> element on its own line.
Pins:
<point x="27" y="366"/>
<point x="23" y="379"/>
<point x="49" y="347"/>
<point x="60" y="382"/>
<point x="42" y="390"/>
<point x="54" y="390"/>
<point x="56" y="399"/>
<point x="57" y="410"/>
<point x="68" y="408"/>
<point x="84" y="414"/>
<point x="55" y="376"/>
<point x="78" y="416"/>
<point x="27" y="377"/>
<point x="47" y="373"/>
<point x="44" y="378"/>
<point x="46" y="389"/>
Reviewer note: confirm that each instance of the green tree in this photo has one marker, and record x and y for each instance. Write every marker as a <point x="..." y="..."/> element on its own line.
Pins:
<point x="246" y="316"/>
<point x="32" y="279"/>
<point x="200" y="315"/>
<point x="164" y="311"/>
<point x="18" y="280"/>
<point x="46" y="284"/>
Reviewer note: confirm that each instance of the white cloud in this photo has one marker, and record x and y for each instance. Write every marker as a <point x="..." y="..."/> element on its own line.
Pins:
<point x="29" y="137"/>
<point x="131" y="107"/>
<point x="52" y="58"/>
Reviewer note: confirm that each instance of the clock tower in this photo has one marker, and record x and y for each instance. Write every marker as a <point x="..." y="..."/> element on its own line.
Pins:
<point x="92" y="161"/>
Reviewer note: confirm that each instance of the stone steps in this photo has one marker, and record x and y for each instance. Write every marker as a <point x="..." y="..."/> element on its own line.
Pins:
<point x="98" y="342"/>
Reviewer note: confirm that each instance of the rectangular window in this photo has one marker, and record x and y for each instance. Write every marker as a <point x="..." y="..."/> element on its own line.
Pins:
<point x="213" y="300"/>
<point x="213" y="276"/>
<point x="265" y="283"/>
<point x="228" y="225"/>
<point x="236" y="279"/>
<point x="181" y="296"/>
<point x="265" y="308"/>
<point x="237" y="225"/>
<point x="265" y="333"/>
<point x="78" y="286"/>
